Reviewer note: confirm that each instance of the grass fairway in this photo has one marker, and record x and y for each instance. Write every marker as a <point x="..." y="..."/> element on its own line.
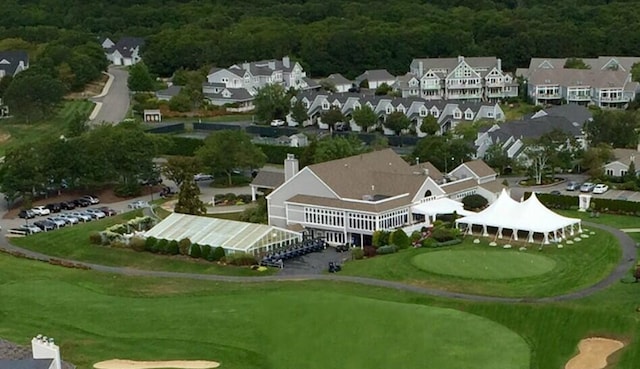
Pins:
<point x="482" y="264"/>
<point x="73" y="243"/>
<point x="612" y="220"/>
<point x="286" y="326"/>
<point x="577" y="266"/>
<point x="28" y="133"/>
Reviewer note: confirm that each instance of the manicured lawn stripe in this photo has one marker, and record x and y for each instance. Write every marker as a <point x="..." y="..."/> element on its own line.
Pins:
<point x="484" y="264"/>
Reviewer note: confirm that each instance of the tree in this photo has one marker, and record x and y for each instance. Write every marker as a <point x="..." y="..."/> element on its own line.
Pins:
<point x="636" y="274"/>
<point x="474" y="201"/>
<point x="139" y="78"/>
<point x="4" y="84"/>
<point x="189" y="199"/>
<point x="538" y="156"/>
<point x="594" y="158"/>
<point x="397" y="122"/>
<point x="443" y="152"/>
<point x="497" y="158"/>
<point x="332" y="116"/>
<point x="383" y="89"/>
<point x="299" y="112"/>
<point x="365" y="117"/>
<point x="430" y="125"/>
<point x="635" y="72"/>
<point x="271" y="102"/>
<point x="180" y="168"/>
<point x="615" y="128"/>
<point x="32" y="95"/>
<point x="77" y="125"/>
<point x="227" y="150"/>
<point x="22" y="173"/>
<point x="379" y="142"/>
<point x="180" y="102"/>
<point x="338" y="147"/>
<point x="576" y="63"/>
<point x="631" y="172"/>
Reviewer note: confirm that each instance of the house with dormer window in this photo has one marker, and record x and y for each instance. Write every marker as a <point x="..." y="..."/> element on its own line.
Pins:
<point x="127" y="51"/>
<point x="13" y="62"/>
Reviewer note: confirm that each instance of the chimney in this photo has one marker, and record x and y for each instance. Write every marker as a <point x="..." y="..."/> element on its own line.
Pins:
<point x="45" y="348"/>
<point x="420" y="69"/>
<point x="426" y="171"/>
<point x="460" y="58"/>
<point x="272" y="64"/>
<point x="245" y="66"/>
<point x="286" y="62"/>
<point x="499" y="64"/>
<point x="291" y="167"/>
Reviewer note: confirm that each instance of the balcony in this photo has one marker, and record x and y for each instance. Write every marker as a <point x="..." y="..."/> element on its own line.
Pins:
<point x="573" y="97"/>
<point x="463" y="85"/>
<point x="614" y="99"/>
<point x="548" y="96"/>
<point x="464" y="96"/>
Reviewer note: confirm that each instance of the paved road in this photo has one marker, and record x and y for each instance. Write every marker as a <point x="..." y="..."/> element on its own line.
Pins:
<point x="115" y="103"/>
<point x="626" y="262"/>
<point x="517" y="191"/>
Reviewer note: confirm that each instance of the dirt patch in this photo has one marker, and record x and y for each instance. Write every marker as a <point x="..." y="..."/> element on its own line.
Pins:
<point x="92" y="89"/>
<point x="593" y="353"/>
<point x="4" y="137"/>
<point x="132" y="364"/>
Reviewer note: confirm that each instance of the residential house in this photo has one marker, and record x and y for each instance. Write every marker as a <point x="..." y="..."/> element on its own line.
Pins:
<point x="124" y="52"/>
<point x="512" y="135"/>
<point x="408" y="85"/>
<point x="375" y="78"/>
<point x="106" y="43"/>
<point x="606" y="84"/>
<point x="168" y="93"/>
<point x="239" y="83"/>
<point x="623" y="158"/>
<point x="471" y="79"/>
<point x="341" y="83"/>
<point x="13" y="62"/>
<point x="346" y="200"/>
<point x="447" y="113"/>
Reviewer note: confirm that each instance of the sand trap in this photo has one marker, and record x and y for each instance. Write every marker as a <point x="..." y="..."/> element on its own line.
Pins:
<point x="593" y="353"/>
<point x="132" y="364"/>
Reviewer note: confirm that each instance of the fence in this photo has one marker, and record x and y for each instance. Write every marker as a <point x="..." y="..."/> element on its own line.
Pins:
<point x="169" y="128"/>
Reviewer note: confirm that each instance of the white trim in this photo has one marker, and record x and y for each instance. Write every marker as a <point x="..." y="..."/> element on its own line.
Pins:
<point x="297" y="174"/>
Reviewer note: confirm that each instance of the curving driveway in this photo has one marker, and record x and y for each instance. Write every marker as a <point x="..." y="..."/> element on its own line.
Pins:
<point x="112" y="104"/>
<point x="627" y="261"/>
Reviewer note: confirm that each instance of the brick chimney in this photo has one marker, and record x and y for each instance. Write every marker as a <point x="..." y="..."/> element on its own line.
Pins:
<point x="291" y="167"/>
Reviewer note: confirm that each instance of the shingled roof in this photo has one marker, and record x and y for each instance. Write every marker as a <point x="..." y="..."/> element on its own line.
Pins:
<point x="10" y="60"/>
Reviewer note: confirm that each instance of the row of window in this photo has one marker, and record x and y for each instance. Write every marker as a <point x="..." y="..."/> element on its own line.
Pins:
<point x="394" y="219"/>
<point x="356" y="221"/>
<point x="364" y="222"/>
<point x="323" y="216"/>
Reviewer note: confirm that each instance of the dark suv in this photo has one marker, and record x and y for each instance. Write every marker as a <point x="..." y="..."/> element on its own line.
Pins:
<point x="26" y="214"/>
<point x="67" y="205"/>
<point x="82" y="202"/>
<point x="54" y="207"/>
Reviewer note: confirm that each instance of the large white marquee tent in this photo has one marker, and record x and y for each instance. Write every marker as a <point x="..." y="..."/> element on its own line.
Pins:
<point x="528" y="216"/>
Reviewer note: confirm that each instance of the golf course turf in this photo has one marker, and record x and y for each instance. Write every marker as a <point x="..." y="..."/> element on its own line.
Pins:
<point x="286" y="327"/>
<point x="482" y="264"/>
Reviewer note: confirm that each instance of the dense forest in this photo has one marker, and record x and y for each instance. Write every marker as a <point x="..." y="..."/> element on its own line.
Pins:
<point x="328" y="36"/>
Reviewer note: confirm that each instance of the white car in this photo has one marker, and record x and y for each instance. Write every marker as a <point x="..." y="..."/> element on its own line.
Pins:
<point x="202" y="177"/>
<point x="41" y="210"/>
<point x="600" y="188"/>
<point x="92" y="199"/>
<point x="59" y="222"/>
<point x="138" y="204"/>
<point x="277" y="123"/>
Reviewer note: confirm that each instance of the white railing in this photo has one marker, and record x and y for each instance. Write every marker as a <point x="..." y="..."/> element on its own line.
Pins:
<point x="429" y="198"/>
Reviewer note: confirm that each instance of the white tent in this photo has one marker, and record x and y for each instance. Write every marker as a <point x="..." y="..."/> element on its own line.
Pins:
<point x="440" y="206"/>
<point x="529" y="216"/>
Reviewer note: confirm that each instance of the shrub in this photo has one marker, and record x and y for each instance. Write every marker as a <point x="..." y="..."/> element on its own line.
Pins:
<point x="205" y="252"/>
<point x="444" y="234"/>
<point x="149" y="243"/>
<point x="415" y="236"/>
<point x="95" y="238"/>
<point x="380" y="238"/>
<point x="195" y="251"/>
<point x="429" y="242"/>
<point x="184" y="245"/>
<point x="160" y="246"/>
<point x="474" y="201"/>
<point x="400" y="239"/>
<point x="138" y="244"/>
<point x="217" y="254"/>
<point x="369" y="251"/>
<point x="357" y="254"/>
<point x="119" y="244"/>
<point x="240" y="259"/>
<point x="173" y="248"/>
<point x="388" y="249"/>
<point x="129" y="189"/>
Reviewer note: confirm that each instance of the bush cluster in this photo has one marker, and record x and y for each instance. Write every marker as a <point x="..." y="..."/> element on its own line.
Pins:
<point x="95" y="238"/>
<point x="357" y="254"/>
<point x="388" y="249"/>
<point x="240" y="259"/>
<point x="400" y="239"/>
<point x="602" y="205"/>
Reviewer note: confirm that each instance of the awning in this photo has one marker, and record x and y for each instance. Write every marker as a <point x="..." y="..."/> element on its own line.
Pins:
<point x="440" y="206"/>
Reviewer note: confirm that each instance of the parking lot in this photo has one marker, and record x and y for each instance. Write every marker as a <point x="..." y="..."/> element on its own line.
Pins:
<point x="518" y="191"/>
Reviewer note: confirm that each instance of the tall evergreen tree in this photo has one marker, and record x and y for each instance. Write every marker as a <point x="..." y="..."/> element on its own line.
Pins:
<point x="189" y="199"/>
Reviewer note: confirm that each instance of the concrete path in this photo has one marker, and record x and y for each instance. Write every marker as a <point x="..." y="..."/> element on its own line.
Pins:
<point x="112" y="104"/>
<point x="627" y="261"/>
<point x="630" y="230"/>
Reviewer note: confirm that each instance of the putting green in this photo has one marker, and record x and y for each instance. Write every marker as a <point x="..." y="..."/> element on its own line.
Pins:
<point x="287" y="327"/>
<point x="484" y="264"/>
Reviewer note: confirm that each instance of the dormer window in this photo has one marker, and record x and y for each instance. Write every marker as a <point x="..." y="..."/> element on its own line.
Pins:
<point x="325" y="105"/>
<point x="400" y="109"/>
<point x="468" y="115"/>
<point x="457" y="114"/>
<point x="356" y="105"/>
<point x="305" y="103"/>
<point x="423" y="112"/>
<point x="435" y="112"/>
<point x="389" y="109"/>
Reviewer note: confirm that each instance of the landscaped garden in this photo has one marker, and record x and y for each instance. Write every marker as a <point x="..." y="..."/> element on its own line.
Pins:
<point x="483" y="269"/>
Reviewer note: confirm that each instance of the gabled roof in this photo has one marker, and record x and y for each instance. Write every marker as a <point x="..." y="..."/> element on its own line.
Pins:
<point x="311" y="83"/>
<point x="13" y="59"/>
<point x="460" y="185"/>
<point x="486" y="63"/>
<point x="338" y="79"/>
<point x="127" y="45"/>
<point x="237" y="94"/>
<point x="480" y="168"/>
<point x="571" y="112"/>
<point x="624" y="156"/>
<point x="170" y="91"/>
<point x="376" y="75"/>
<point x="378" y="173"/>
<point x="434" y="173"/>
<point x="534" y="128"/>
<point x="373" y="207"/>
<point x="25" y="364"/>
<point x="268" y="179"/>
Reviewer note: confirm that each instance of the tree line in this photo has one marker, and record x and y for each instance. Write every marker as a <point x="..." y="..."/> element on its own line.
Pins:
<point x="330" y="36"/>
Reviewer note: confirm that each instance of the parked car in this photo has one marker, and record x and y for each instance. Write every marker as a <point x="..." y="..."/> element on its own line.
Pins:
<point x="31" y="228"/>
<point x="600" y="188"/>
<point x="573" y="186"/>
<point x="99" y="213"/>
<point x="107" y="211"/>
<point x="27" y="214"/>
<point x="277" y="123"/>
<point x="67" y="205"/>
<point x="45" y="225"/>
<point x="25" y="230"/>
<point x="555" y="192"/>
<point x="82" y="202"/>
<point x="168" y="191"/>
<point x="54" y="207"/>
<point x="341" y="127"/>
<point x="81" y="216"/>
<point x="139" y="204"/>
<point x="41" y="210"/>
<point x="587" y="187"/>
<point x="92" y="199"/>
<point x="202" y="177"/>
<point x="59" y="222"/>
<point x="70" y="218"/>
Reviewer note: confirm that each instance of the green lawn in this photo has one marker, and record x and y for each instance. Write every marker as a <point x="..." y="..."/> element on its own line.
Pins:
<point x="516" y="111"/>
<point x="484" y="264"/>
<point x="613" y="220"/>
<point x="26" y="133"/>
<point x="73" y="243"/>
<point x="577" y="266"/>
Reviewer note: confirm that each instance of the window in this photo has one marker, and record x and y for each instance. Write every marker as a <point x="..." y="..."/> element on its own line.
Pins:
<point x="435" y="112"/>
<point x="400" y="109"/>
<point x="457" y="114"/>
<point x="305" y="103"/>
<point x="389" y="109"/>
<point x="225" y="80"/>
<point x="423" y="112"/>
<point x="468" y="115"/>
<point x="610" y="172"/>
<point x="325" y="106"/>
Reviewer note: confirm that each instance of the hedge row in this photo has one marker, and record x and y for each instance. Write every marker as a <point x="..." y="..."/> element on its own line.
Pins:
<point x="181" y="146"/>
<point x="598" y="204"/>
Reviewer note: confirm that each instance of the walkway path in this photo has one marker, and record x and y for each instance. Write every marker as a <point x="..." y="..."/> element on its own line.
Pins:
<point x="627" y="261"/>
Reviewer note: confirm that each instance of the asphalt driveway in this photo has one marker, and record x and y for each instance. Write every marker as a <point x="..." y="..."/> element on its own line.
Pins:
<point x="115" y="103"/>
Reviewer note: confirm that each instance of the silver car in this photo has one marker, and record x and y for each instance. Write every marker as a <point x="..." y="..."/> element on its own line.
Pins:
<point x="59" y="222"/>
<point x="98" y="213"/>
<point x="83" y="217"/>
<point x="69" y="217"/>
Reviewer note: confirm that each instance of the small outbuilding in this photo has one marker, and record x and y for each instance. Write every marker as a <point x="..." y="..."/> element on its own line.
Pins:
<point x="231" y="235"/>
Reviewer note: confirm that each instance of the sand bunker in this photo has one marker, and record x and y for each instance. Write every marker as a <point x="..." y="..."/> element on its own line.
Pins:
<point x="132" y="364"/>
<point x="593" y="353"/>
